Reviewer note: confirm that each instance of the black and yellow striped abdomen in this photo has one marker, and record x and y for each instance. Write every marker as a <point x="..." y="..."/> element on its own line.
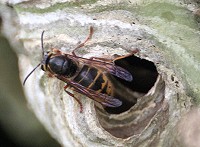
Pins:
<point x="95" y="79"/>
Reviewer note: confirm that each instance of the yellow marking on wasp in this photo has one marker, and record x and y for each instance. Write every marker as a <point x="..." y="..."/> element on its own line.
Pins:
<point x="109" y="88"/>
<point x="97" y="76"/>
<point x="44" y="67"/>
<point x="47" y="68"/>
<point x="106" y="81"/>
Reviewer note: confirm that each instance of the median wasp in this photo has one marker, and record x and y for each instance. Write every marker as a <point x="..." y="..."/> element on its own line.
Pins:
<point x="85" y="76"/>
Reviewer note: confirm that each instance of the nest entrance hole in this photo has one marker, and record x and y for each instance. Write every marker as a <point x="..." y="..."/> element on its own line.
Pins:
<point x="144" y="74"/>
<point x="133" y="95"/>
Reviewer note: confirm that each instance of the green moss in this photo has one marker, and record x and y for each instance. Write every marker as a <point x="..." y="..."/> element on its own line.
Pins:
<point x="112" y="7"/>
<point x="168" y="16"/>
<point x="57" y="6"/>
<point x="117" y="6"/>
<point x="168" y="12"/>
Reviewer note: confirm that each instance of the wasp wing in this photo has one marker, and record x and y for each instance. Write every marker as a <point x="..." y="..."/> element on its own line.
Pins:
<point x="107" y="66"/>
<point x="118" y="72"/>
<point x="103" y="99"/>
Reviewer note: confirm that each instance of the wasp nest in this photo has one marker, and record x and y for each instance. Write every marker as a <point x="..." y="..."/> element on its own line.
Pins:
<point x="152" y="103"/>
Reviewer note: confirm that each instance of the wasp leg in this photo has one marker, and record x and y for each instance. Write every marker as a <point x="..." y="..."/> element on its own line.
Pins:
<point x="50" y="75"/>
<point x="117" y="57"/>
<point x="86" y="40"/>
<point x="72" y="95"/>
<point x="101" y="59"/>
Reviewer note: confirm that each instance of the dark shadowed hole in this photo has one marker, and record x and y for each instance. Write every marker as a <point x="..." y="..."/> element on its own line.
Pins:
<point x="144" y="74"/>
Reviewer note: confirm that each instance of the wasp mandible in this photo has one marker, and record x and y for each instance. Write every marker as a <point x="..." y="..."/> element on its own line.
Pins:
<point x="85" y="76"/>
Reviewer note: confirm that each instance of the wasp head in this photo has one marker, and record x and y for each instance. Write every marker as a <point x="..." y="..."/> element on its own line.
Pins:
<point x="61" y="65"/>
<point x="55" y="62"/>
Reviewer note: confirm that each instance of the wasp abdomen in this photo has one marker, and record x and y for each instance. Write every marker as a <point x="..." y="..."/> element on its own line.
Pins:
<point x="94" y="79"/>
<point x="86" y="76"/>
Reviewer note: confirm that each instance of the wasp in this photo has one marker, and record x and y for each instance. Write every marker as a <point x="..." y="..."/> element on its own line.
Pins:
<point x="87" y="76"/>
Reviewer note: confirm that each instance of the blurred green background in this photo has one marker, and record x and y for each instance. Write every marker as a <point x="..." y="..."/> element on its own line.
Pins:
<point x="18" y="125"/>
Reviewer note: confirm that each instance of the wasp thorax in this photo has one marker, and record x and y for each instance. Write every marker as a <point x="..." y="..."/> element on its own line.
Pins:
<point x="62" y="66"/>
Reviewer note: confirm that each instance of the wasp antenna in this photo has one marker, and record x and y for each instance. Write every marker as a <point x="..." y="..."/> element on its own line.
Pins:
<point x="31" y="73"/>
<point x="42" y="43"/>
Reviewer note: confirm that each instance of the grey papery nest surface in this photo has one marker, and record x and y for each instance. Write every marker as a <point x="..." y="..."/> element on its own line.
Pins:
<point x="166" y="34"/>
